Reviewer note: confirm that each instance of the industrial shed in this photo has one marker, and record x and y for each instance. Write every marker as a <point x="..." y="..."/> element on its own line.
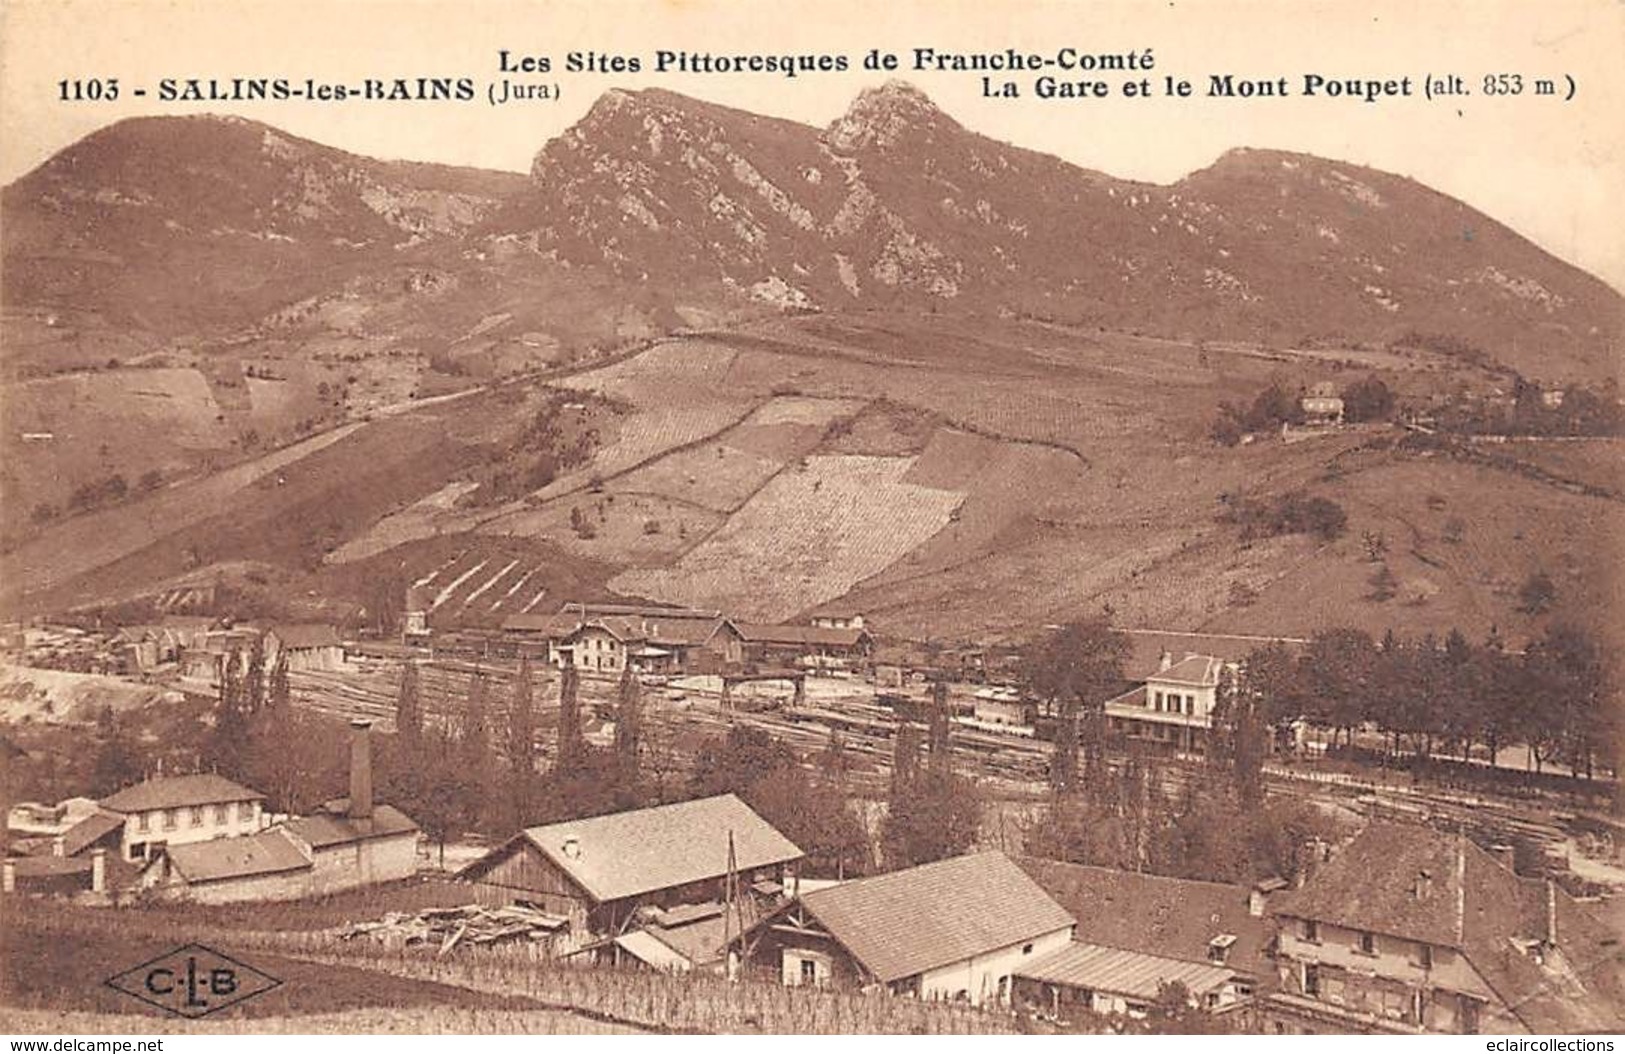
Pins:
<point x="598" y="872"/>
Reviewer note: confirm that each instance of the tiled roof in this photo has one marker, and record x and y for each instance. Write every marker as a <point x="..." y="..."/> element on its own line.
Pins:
<point x="177" y="792"/>
<point x="1422" y="885"/>
<point x="1174" y="918"/>
<point x="578" y="609"/>
<point x="307" y="635"/>
<point x="1134" y="975"/>
<point x="627" y="853"/>
<point x="1199" y="670"/>
<point x="265" y="853"/>
<point x="1146" y="648"/>
<point x="325" y="829"/>
<point x="757" y="633"/>
<point x="905" y="922"/>
<point x="89" y="831"/>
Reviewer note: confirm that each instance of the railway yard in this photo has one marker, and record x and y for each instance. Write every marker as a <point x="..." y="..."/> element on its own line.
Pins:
<point x="683" y="714"/>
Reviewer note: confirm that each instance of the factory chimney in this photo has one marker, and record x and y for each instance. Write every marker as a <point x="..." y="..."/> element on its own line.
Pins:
<point x="360" y="770"/>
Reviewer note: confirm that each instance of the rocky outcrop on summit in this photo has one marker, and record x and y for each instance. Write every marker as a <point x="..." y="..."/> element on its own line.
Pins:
<point x="895" y="203"/>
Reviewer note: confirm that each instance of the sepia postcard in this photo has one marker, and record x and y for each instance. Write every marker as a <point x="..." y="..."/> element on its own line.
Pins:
<point x="697" y="517"/>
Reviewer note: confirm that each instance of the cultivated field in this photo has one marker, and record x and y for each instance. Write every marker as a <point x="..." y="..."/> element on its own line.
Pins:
<point x="807" y="537"/>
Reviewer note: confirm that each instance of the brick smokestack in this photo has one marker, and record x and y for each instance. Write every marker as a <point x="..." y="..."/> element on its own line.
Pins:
<point x="360" y="770"/>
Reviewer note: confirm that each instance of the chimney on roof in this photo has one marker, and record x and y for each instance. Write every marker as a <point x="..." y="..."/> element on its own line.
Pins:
<point x="360" y="769"/>
<point x="1165" y="660"/>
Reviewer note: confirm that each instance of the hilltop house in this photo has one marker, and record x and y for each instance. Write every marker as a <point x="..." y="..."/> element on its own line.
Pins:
<point x="1408" y="930"/>
<point x="1136" y="931"/>
<point x="1173" y="706"/>
<point x="1322" y="405"/>
<point x="956" y="929"/>
<point x="169" y="811"/>
<point x="349" y="842"/>
<point x="598" y="872"/>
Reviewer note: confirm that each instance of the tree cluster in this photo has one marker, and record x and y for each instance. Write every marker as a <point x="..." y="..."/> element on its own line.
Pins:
<point x="1428" y="696"/>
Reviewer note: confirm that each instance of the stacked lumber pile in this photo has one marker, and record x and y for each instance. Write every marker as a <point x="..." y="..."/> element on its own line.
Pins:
<point x="450" y="927"/>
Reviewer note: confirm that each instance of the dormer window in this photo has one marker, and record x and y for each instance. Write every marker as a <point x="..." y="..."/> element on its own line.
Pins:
<point x="1218" y="949"/>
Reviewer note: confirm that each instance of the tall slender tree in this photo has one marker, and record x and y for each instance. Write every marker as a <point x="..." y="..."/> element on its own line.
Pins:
<point x="571" y="751"/>
<point x="940" y="730"/>
<point x="229" y="741"/>
<point x="278" y="695"/>
<point x="409" y="709"/>
<point x="521" y="745"/>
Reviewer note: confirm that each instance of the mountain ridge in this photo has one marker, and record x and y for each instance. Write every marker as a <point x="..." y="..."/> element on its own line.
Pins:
<point x="893" y="204"/>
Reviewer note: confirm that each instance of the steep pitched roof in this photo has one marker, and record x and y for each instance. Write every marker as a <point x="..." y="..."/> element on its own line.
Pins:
<point x="1422" y="885"/>
<point x="178" y="792"/>
<point x="1174" y="918"/>
<point x="627" y="853"/>
<point x="905" y="922"/>
<point x="1132" y="974"/>
<point x="266" y="853"/>
<point x="325" y="829"/>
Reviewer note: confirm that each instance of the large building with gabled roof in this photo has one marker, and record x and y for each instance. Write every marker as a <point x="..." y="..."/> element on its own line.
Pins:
<point x="1410" y="930"/>
<point x="169" y="811"/>
<point x="957" y="929"/>
<point x="598" y="871"/>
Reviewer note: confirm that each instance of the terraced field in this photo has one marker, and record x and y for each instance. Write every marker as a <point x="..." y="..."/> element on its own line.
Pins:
<point x="807" y="537"/>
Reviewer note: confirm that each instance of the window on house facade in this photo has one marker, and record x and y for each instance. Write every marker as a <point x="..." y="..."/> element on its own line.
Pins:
<point x="220" y="813"/>
<point x="1311" y="979"/>
<point x="143" y="822"/>
<point x="171" y="819"/>
<point x="1311" y="931"/>
<point x="1027" y="949"/>
<point x="245" y="810"/>
<point x="809" y="972"/>
<point x="197" y="816"/>
<point x="1368" y="943"/>
<point x="1424" y="956"/>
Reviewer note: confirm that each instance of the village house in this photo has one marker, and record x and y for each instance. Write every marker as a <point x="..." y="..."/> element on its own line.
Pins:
<point x="350" y="842"/>
<point x="307" y="646"/>
<point x="957" y="929"/>
<point x="1322" y="405"/>
<point x="1409" y="930"/>
<point x="1175" y="704"/>
<point x="168" y="811"/>
<point x="1137" y="931"/>
<point x="598" y="872"/>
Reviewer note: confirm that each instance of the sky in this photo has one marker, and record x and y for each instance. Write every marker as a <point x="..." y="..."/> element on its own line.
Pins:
<point x="1551" y="167"/>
